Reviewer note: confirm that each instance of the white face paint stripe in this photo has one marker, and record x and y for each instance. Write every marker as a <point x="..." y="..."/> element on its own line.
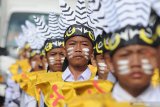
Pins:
<point x="102" y="72"/>
<point x="86" y="57"/>
<point x="102" y="64"/>
<point x="102" y="67"/>
<point x="27" y="54"/>
<point x="70" y="52"/>
<point x="123" y="62"/>
<point x="145" y="61"/>
<point x="70" y="49"/>
<point x="46" y="66"/>
<point x="51" y="60"/>
<point x="85" y="49"/>
<point x="124" y="72"/>
<point x="70" y="57"/>
<point x="147" y="67"/>
<point x="123" y="67"/>
<point x="86" y="52"/>
<point x="33" y="64"/>
<point x="62" y="60"/>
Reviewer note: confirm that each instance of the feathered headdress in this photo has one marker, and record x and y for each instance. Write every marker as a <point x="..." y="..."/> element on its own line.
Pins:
<point x="80" y="20"/>
<point x="53" y="32"/>
<point x="32" y="38"/>
<point x="127" y="22"/>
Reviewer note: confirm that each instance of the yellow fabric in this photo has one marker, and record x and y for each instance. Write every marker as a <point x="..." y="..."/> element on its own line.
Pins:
<point x="155" y="78"/>
<point x="14" y="69"/>
<point x="48" y="76"/>
<point x="19" y="78"/>
<point x="24" y="64"/>
<point x="46" y="81"/>
<point x="101" y="100"/>
<point x="29" y="84"/>
<point x="93" y="70"/>
<point x="58" y="93"/>
<point x="20" y="64"/>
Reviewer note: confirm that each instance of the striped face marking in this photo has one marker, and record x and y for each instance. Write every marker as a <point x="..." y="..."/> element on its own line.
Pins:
<point x="46" y="66"/>
<point x="62" y="60"/>
<point x="147" y="67"/>
<point x="86" y="53"/>
<point x="70" y="52"/>
<point x="102" y="67"/>
<point x="123" y="67"/>
<point x="51" y="60"/>
<point x="33" y="64"/>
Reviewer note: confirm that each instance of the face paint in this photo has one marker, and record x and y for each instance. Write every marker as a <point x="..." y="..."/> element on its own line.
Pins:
<point x="33" y="64"/>
<point x="123" y="67"/>
<point x="51" y="60"/>
<point x="27" y="54"/>
<point x="86" y="52"/>
<point x="70" y="52"/>
<point x="147" y="67"/>
<point x="102" y="67"/>
<point x="62" y="60"/>
<point x="46" y="66"/>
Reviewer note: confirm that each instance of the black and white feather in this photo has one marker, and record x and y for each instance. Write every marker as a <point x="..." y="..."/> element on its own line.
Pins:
<point x="33" y="37"/>
<point x="53" y="23"/>
<point x="81" y="15"/>
<point x="116" y="14"/>
<point x="67" y="12"/>
<point x="62" y="24"/>
<point x="20" y="40"/>
<point x="56" y="26"/>
<point x="42" y="27"/>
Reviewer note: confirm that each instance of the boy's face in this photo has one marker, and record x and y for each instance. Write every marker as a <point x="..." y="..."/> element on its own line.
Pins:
<point x="55" y="59"/>
<point x="101" y="65"/>
<point x="44" y="62"/>
<point x="27" y="53"/>
<point x="134" y="65"/>
<point x="36" y="63"/>
<point x="108" y="61"/>
<point x="78" y="50"/>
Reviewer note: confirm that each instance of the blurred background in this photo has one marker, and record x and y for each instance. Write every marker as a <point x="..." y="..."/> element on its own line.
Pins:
<point x="13" y="14"/>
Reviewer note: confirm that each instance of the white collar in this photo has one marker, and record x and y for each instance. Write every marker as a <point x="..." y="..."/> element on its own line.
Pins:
<point x="151" y="94"/>
<point x="68" y="76"/>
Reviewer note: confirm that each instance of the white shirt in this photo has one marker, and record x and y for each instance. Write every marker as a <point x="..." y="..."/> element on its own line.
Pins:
<point x="68" y="76"/>
<point x="28" y="101"/>
<point x="111" y="77"/>
<point x="150" y="95"/>
<point x="12" y="93"/>
<point x="41" y="99"/>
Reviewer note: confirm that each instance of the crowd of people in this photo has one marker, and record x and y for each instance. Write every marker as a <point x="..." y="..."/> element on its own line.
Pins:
<point x="105" y="53"/>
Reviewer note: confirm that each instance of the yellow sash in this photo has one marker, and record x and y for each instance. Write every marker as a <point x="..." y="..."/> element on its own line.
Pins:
<point x="155" y="78"/>
<point x="99" y="100"/>
<point x="20" y="64"/>
<point x="58" y="93"/>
